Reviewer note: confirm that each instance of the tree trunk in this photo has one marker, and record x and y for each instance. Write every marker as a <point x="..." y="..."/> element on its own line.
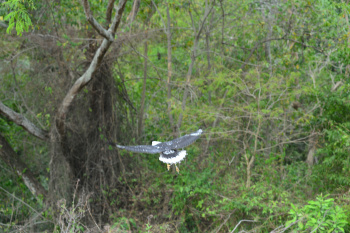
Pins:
<point x="82" y="122"/>
<point x="312" y="148"/>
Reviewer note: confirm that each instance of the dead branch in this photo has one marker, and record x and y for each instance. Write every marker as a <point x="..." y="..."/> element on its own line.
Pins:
<point x="23" y="122"/>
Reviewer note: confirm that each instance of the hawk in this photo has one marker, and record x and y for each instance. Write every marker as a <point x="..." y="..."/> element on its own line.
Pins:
<point x="169" y="151"/>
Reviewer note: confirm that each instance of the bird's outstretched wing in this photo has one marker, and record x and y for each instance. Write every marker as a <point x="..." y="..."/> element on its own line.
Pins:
<point x="180" y="142"/>
<point x="157" y="147"/>
<point x="142" y="149"/>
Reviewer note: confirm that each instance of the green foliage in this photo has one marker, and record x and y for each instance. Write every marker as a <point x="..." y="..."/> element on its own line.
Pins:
<point x="18" y="15"/>
<point x="334" y="127"/>
<point x="322" y="215"/>
<point x="16" y="200"/>
<point x="192" y="189"/>
<point x="252" y="63"/>
<point x="124" y="224"/>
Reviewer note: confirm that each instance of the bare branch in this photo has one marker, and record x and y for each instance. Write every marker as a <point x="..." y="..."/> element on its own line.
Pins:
<point x="23" y="122"/>
<point x="337" y="85"/>
<point x="109" y="11"/>
<point x="228" y="217"/>
<point x="118" y="16"/>
<point x="281" y="229"/>
<point x="240" y="223"/>
<point x="135" y="9"/>
<point x="88" y="75"/>
<point x="103" y="32"/>
<point x="160" y="15"/>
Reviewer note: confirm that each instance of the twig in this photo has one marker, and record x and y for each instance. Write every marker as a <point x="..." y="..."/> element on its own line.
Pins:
<point x="24" y="203"/>
<point x="225" y="221"/>
<point x="240" y="223"/>
<point x="160" y="15"/>
<point x="286" y="228"/>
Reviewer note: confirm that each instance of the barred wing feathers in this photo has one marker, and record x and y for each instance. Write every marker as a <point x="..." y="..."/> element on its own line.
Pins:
<point x="142" y="149"/>
<point x="181" y="142"/>
<point x="158" y="147"/>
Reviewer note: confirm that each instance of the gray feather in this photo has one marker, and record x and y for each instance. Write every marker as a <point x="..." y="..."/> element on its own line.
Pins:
<point x="177" y="143"/>
<point x="141" y="149"/>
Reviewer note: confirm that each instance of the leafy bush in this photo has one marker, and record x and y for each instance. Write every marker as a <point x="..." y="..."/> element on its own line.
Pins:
<point x="322" y="215"/>
<point x="333" y="124"/>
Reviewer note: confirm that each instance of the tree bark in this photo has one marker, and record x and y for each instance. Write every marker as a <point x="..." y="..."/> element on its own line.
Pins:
<point x="109" y="12"/>
<point x="312" y="148"/>
<point x="78" y="151"/>
<point x="96" y="62"/>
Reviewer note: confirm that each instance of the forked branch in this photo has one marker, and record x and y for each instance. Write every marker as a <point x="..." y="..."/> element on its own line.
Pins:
<point x="103" y="32"/>
<point x="95" y="63"/>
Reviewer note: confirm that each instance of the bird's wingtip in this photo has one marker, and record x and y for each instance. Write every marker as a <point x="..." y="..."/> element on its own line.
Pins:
<point x="155" y="143"/>
<point x="197" y="133"/>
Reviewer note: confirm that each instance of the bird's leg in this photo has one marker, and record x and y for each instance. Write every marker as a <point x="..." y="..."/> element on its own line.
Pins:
<point x="168" y="166"/>
<point x="177" y="169"/>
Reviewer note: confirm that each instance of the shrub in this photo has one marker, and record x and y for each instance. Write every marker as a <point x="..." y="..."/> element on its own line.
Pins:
<point x="322" y="215"/>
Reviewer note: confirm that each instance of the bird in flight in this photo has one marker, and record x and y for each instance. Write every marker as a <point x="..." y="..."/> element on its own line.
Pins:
<point x="169" y="151"/>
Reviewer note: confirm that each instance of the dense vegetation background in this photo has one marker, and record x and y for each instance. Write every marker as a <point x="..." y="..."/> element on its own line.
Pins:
<point x="267" y="81"/>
